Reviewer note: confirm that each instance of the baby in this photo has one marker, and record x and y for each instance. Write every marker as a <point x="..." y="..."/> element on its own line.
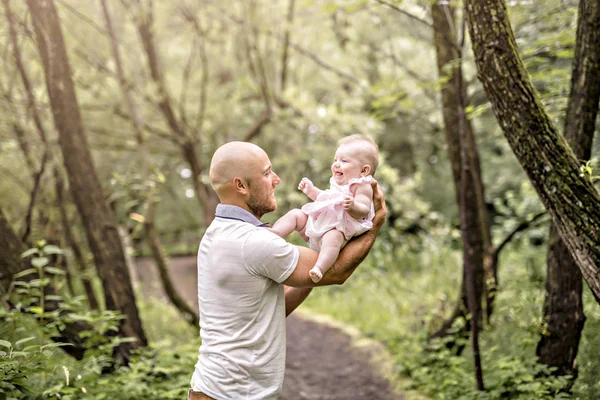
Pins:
<point x="341" y="212"/>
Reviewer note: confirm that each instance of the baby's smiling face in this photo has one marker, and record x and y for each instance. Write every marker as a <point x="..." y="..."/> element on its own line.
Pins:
<point x="349" y="163"/>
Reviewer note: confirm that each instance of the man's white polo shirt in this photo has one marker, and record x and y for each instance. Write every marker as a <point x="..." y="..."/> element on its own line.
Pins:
<point x="242" y="307"/>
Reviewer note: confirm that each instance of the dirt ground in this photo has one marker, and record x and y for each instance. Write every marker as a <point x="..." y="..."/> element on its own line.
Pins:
<point x="321" y="362"/>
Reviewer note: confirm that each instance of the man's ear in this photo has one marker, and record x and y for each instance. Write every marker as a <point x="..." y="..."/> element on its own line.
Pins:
<point x="240" y="185"/>
<point x="365" y="170"/>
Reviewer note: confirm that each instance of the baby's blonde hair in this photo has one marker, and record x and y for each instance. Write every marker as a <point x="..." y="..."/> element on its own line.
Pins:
<point x="371" y="150"/>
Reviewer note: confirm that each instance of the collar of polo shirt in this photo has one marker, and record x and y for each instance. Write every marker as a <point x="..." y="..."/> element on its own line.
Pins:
<point x="228" y="211"/>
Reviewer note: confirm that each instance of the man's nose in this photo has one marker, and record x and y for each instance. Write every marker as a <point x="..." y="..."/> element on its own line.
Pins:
<point x="276" y="179"/>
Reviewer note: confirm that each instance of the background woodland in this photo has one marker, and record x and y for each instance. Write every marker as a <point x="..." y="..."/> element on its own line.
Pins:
<point x="484" y="283"/>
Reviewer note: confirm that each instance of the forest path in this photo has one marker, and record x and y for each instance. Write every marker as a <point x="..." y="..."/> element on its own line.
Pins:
<point x="321" y="364"/>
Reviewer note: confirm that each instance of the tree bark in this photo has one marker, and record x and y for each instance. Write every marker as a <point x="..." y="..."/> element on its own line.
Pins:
<point x="98" y="220"/>
<point x="563" y="306"/>
<point x="79" y="261"/>
<point x="461" y="150"/>
<point x="11" y="249"/>
<point x="550" y="164"/>
<point x="470" y="228"/>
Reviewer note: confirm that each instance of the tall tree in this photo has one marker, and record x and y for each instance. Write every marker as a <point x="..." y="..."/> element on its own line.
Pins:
<point x="563" y="318"/>
<point x="152" y="237"/>
<point x="469" y="194"/>
<point x="550" y="164"/>
<point x="98" y="220"/>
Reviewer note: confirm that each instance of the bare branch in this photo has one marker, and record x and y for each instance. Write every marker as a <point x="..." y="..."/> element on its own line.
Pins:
<point x="151" y="129"/>
<point x="144" y="22"/>
<point x="532" y="21"/>
<point x="286" y="46"/>
<point x="136" y="118"/>
<point x="406" y="13"/>
<point x="520" y="228"/>
<point x="189" y="16"/>
<point x="32" y="106"/>
<point x="81" y="16"/>
<point x="33" y="196"/>
<point x="185" y="82"/>
<point x="257" y="128"/>
<point x="298" y="48"/>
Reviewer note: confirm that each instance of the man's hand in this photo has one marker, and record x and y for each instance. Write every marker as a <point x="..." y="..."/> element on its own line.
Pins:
<point x="378" y="205"/>
<point x="305" y="186"/>
<point x="348" y="203"/>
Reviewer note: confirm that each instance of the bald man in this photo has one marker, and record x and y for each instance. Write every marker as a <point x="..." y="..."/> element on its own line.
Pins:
<point x="250" y="279"/>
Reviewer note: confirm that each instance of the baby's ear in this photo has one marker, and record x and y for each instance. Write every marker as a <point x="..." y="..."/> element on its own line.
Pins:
<point x="365" y="170"/>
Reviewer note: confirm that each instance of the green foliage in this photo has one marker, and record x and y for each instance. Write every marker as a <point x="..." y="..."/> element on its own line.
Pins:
<point x="401" y="294"/>
<point x="44" y="372"/>
<point x="41" y="370"/>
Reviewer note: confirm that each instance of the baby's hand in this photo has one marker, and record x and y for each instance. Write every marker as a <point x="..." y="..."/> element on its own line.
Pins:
<point x="305" y="186"/>
<point x="348" y="203"/>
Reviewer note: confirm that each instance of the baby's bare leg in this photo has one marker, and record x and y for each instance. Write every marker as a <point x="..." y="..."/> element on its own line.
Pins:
<point x="294" y="220"/>
<point x="330" y="249"/>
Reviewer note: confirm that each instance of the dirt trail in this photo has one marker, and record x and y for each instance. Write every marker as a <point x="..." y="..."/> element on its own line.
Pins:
<point x="321" y="363"/>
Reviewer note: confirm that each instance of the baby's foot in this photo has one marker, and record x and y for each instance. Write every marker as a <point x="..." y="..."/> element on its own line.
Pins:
<point x="315" y="274"/>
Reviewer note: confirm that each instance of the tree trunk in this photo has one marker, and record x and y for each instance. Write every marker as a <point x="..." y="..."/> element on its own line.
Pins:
<point x="553" y="169"/>
<point x="79" y="261"/>
<point x="11" y="249"/>
<point x="563" y="306"/>
<point x="470" y="227"/>
<point x="469" y="194"/>
<point x="99" y="223"/>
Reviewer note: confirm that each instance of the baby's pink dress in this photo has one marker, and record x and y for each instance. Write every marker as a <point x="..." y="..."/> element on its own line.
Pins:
<point x="327" y="213"/>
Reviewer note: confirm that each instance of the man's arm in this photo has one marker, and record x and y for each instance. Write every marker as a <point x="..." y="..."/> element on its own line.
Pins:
<point x="294" y="297"/>
<point x="350" y="257"/>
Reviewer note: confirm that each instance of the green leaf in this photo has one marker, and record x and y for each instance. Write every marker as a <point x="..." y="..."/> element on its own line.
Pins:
<point x="25" y="340"/>
<point x="36" y="310"/>
<point x="52" y="345"/>
<point x="52" y="249"/>
<point x="29" y="252"/>
<point x="5" y="343"/>
<point x="40" y="262"/>
<point x="25" y="272"/>
<point x="55" y="271"/>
